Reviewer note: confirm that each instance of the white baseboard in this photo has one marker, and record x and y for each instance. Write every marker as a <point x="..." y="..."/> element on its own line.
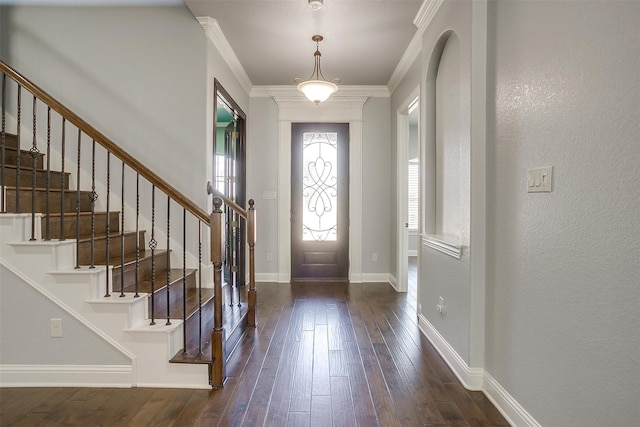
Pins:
<point x="513" y="412"/>
<point x="375" y="277"/>
<point x="393" y="282"/>
<point x="477" y="378"/>
<point x="120" y="376"/>
<point x="471" y="378"/>
<point x="412" y="252"/>
<point x="267" y="277"/>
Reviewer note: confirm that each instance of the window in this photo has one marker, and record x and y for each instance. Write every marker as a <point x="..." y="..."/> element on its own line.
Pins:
<point x="413" y="193"/>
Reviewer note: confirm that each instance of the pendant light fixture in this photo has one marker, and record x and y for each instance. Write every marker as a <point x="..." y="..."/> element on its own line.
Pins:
<point x="316" y="88"/>
<point x="315" y="4"/>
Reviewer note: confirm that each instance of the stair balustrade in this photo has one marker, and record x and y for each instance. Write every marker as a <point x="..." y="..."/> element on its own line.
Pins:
<point x="135" y="260"/>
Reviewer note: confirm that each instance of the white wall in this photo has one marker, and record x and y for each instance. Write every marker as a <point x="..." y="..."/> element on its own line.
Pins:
<point x="563" y="295"/>
<point x="25" y="332"/>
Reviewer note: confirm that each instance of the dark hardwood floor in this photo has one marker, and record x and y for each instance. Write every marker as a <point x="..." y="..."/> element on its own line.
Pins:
<point x="322" y="355"/>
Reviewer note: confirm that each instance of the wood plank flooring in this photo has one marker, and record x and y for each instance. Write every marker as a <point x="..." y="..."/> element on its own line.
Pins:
<point x="322" y="355"/>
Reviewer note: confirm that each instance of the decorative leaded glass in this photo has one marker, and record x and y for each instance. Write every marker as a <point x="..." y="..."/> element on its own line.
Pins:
<point x="319" y="186"/>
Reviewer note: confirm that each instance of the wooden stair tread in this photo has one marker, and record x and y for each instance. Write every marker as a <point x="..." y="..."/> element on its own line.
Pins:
<point x="192" y="303"/>
<point x="103" y="236"/>
<point x="175" y="275"/>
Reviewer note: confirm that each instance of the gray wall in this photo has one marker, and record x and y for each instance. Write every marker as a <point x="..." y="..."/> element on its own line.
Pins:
<point x="262" y="159"/>
<point x="563" y="300"/>
<point x="377" y="233"/>
<point x="563" y="268"/>
<point x="262" y="175"/>
<point x="25" y="331"/>
<point x="135" y="73"/>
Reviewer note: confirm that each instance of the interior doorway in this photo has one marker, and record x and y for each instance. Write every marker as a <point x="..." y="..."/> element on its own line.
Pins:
<point x="319" y="201"/>
<point x="229" y="171"/>
<point x="408" y="189"/>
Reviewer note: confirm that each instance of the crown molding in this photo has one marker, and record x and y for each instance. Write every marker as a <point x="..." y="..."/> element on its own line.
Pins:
<point x="422" y="20"/>
<point x="426" y="13"/>
<point x="214" y="33"/>
<point x="290" y="91"/>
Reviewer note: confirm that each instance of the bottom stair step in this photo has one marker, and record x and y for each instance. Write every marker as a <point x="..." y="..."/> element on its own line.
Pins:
<point x="235" y="323"/>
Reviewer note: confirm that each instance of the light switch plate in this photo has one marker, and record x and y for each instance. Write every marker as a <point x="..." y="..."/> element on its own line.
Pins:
<point x="269" y="195"/>
<point x="539" y="180"/>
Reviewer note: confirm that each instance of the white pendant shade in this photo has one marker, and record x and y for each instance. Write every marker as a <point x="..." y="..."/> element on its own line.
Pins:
<point x="317" y="90"/>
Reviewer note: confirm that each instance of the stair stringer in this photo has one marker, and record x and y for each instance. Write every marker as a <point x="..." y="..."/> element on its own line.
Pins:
<point x="121" y="321"/>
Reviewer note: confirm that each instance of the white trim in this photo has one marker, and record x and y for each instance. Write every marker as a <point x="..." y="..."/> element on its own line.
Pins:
<point x="423" y="18"/>
<point x="121" y="376"/>
<point x="376" y="278"/>
<point x="412" y="252"/>
<point x="512" y="411"/>
<point x="266" y="277"/>
<point x="402" y="142"/>
<point x="410" y="54"/>
<point x="393" y="282"/>
<point x="425" y="14"/>
<point x="338" y="109"/>
<point x="477" y="379"/>
<point x="471" y="378"/>
<point x="214" y="33"/>
<point x="291" y="91"/>
<point x="442" y="244"/>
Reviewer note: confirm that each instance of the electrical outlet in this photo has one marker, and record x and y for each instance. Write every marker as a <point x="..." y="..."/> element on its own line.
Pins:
<point x="56" y="328"/>
<point x="374" y="257"/>
<point x="269" y="257"/>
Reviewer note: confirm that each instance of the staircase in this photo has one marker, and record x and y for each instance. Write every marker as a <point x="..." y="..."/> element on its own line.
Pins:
<point x="155" y="304"/>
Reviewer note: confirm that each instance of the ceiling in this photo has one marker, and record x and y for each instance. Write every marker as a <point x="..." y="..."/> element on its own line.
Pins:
<point x="364" y="40"/>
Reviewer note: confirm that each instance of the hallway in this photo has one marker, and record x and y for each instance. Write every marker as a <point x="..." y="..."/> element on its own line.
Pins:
<point x="322" y="355"/>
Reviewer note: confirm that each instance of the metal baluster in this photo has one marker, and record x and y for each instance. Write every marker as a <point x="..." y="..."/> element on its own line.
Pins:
<point x="108" y="226"/>
<point x="63" y="181"/>
<point x="184" y="281"/>
<point x="18" y="149"/>
<point x="3" y="142"/>
<point x="237" y="257"/>
<point x="199" y="288"/>
<point x="122" y="234"/>
<point x="77" y="201"/>
<point x="152" y="245"/>
<point x="47" y="235"/>
<point x="34" y="155"/>
<point x="137" y="233"/>
<point x="168" y="261"/>
<point x="93" y="197"/>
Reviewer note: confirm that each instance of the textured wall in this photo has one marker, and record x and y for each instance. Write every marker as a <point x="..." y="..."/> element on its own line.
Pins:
<point x="563" y="294"/>
<point x="442" y="275"/>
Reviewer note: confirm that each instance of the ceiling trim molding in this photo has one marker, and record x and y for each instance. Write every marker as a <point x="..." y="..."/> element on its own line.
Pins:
<point x="214" y="33"/>
<point x="426" y="13"/>
<point x="290" y="91"/>
<point x="422" y="20"/>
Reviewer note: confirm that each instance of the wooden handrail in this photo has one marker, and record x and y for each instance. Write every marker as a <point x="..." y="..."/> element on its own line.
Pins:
<point x="108" y="144"/>
<point x="227" y="201"/>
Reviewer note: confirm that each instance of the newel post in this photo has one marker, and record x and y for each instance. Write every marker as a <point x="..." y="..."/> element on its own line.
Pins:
<point x="216" y="222"/>
<point x="251" y="240"/>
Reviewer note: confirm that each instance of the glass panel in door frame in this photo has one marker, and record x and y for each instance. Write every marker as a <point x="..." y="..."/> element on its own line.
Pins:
<point x="230" y="179"/>
<point x="319" y="201"/>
